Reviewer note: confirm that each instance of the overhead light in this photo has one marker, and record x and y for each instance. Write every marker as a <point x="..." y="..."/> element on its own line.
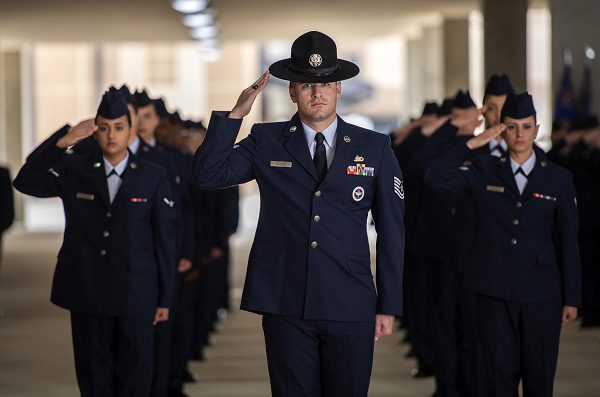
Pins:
<point x="210" y="54"/>
<point x="204" y="32"/>
<point x="209" y="43"/>
<point x="189" y="6"/>
<point x="204" y="18"/>
<point x="590" y="53"/>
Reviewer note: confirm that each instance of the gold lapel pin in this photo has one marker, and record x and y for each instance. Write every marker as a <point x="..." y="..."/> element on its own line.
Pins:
<point x="133" y="165"/>
<point x="97" y="165"/>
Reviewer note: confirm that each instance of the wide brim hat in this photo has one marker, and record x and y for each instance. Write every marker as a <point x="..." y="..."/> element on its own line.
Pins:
<point x="314" y="60"/>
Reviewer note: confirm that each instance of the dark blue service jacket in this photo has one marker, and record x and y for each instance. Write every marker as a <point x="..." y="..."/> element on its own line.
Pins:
<point x="116" y="259"/>
<point x="525" y="246"/>
<point x="310" y="255"/>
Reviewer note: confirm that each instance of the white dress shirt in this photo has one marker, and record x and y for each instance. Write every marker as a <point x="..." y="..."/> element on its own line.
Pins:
<point x="330" y="134"/>
<point x="494" y="145"/>
<point x="527" y="167"/>
<point x="135" y="145"/>
<point x="114" y="181"/>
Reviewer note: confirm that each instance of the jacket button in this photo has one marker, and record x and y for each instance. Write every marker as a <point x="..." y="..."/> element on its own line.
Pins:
<point x="317" y="218"/>
<point x="513" y="241"/>
<point x="314" y="244"/>
<point x="108" y="214"/>
<point x="318" y="193"/>
<point x="519" y="204"/>
<point x="105" y="233"/>
<point x="102" y="252"/>
<point x="515" y="222"/>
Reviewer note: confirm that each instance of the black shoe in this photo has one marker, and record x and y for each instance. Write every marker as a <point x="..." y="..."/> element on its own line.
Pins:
<point x="190" y="377"/>
<point x="421" y="372"/>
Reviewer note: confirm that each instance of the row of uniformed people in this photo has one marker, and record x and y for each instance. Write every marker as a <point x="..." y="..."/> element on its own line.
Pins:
<point x="143" y="266"/>
<point x="578" y="149"/>
<point x="448" y="279"/>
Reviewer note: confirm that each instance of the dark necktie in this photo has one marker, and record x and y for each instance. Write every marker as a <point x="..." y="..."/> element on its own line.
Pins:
<point x="499" y="148"/>
<point x="520" y="171"/>
<point x="111" y="173"/>
<point x="320" y="158"/>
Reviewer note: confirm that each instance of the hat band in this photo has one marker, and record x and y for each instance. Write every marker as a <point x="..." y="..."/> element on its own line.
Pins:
<point x="315" y="72"/>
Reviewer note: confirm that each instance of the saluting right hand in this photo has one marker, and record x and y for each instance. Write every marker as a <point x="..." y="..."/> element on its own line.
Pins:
<point x="247" y="98"/>
<point x="485" y="137"/>
<point x="75" y="134"/>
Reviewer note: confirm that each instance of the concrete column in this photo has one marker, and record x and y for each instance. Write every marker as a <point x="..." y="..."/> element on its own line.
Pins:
<point x="505" y="39"/>
<point x="11" y="113"/>
<point x="575" y="25"/>
<point x="456" y="55"/>
<point x="425" y="69"/>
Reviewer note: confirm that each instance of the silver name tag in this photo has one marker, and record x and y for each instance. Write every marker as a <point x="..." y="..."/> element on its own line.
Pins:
<point x="497" y="189"/>
<point x="84" y="196"/>
<point x="281" y="164"/>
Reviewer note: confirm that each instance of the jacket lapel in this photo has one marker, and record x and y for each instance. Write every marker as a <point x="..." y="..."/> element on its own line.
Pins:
<point x="296" y="145"/>
<point x="506" y="174"/>
<point x="127" y="183"/>
<point x="99" y="181"/>
<point x="538" y="175"/>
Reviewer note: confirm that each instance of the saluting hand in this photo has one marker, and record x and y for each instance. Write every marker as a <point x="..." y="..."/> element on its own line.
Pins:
<point x="485" y="137"/>
<point x="247" y="98"/>
<point x="75" y="134"/>
<point x="429" y="128"/>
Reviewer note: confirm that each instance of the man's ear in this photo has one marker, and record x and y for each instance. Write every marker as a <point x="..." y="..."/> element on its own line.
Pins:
<point x="292" y="93"/>
<point x="339" y="89"/>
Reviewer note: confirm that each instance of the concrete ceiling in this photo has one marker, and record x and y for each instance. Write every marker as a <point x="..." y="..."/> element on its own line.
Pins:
<point x="155" y="20"/>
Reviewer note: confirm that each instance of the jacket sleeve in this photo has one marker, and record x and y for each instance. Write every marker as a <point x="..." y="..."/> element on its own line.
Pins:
<point x="163" y="219"/>
<point x="388" y="213"/>
<point x="41" y="174"/>
<point x="567" y="220"/>
<point x="218" y="163"/>
<point x="454" y="171"/>
<point x="7" y="212"/>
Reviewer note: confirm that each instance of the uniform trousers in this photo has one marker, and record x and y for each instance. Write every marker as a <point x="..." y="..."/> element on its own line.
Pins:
<point x="113" y="355"/>
<point x="311" y="358"/>
<point x="519" y="341"/>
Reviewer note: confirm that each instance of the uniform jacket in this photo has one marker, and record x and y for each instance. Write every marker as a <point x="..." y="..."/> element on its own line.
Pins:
<point x="525" y="245"/>
<point x="115" y="260"/>
<point x="7" y="209"/>
<point x="310" y="255"/>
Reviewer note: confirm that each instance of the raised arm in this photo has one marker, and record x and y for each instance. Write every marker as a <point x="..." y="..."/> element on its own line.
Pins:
<point x="218" y="163"/>
<point x="451" y="173"/>
<point x="41" y="174"/>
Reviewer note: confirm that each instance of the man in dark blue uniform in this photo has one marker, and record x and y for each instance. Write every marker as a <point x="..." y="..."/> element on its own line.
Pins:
<point x="528" y="275"/>
<point x="309" y="271"/>
<point x="115" y="267"/>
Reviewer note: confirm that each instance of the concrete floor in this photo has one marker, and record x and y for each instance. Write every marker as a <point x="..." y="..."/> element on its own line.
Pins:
<point x="36" y="356"/>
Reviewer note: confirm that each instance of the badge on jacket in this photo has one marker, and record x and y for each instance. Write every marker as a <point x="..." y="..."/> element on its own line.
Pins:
<point x="360" y="169"/>
<point x="358" y="193"/>
<point x="84" y="196"/>
<point x="399" y="188"/>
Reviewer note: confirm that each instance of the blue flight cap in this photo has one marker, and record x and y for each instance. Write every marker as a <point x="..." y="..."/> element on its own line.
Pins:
<point x="463" y="100"/>
<point x="113" y="105"/>
<point x="518" y="106"/>
<point x="499" y="84"/>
